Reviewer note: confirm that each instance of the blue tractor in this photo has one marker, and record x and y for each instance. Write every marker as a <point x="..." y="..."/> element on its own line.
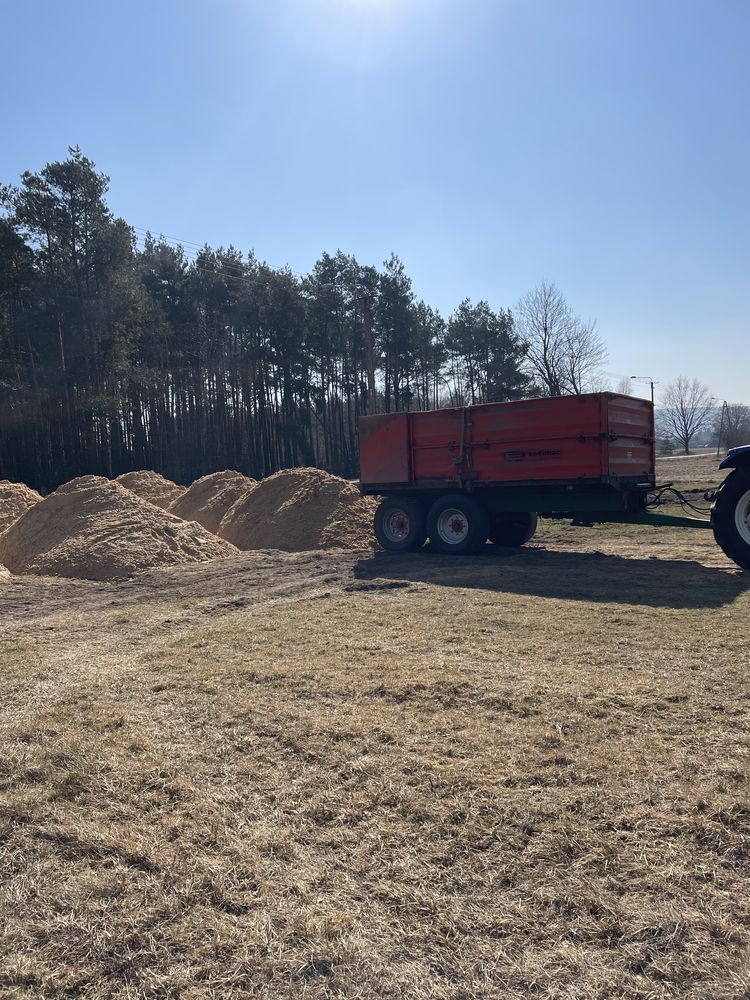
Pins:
<point x="730" y="511"/>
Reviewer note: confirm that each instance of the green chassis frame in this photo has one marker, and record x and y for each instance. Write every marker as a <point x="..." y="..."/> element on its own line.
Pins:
<point x="589" y="506"/>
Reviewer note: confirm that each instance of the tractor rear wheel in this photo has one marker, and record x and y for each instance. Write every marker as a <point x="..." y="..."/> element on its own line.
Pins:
<point x="458" y="525"/>
<point x="513" y="530"/>
<point x="400" y="524"/>
<point x="730" y="517"/>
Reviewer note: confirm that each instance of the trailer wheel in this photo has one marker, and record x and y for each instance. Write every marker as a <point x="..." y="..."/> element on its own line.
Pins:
<point x="730" y="517"/>
<point x="400" y="524"/>
<point x="457" y="525"/>
<point x="513" y="530"/>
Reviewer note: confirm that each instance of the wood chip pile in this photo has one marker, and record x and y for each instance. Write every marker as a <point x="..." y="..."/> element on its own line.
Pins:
<point x="93" y="528"/>
<point x="15" y="499"/>
<point x="151" y="486"/>
<point x="300" y="509"/>
<point x="210" y="498"/>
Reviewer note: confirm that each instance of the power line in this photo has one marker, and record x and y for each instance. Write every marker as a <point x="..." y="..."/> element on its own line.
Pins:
<point x="232" y="269"/>
<point x="192" y="255"/>
<point x="198" y="247"/>
<point x="224" y="268"/>
<point x="169" y="239"/>
<point x="227" y="269"/>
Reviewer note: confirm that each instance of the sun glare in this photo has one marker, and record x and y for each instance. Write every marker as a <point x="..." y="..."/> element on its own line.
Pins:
<point x="371" y="9"/>
<point x="361" y="35"/>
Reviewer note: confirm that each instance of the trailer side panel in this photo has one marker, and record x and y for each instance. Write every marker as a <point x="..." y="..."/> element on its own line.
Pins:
<point x="384" y="449"/>
<point x="630" y="423"/>
<point x="596" y="437"/>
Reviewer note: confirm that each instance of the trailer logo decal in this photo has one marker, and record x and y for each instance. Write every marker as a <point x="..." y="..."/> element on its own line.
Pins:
<point x="520" y="456"/>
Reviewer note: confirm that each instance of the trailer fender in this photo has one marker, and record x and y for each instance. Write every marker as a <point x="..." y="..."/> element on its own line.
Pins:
<point x="738" y="458"/>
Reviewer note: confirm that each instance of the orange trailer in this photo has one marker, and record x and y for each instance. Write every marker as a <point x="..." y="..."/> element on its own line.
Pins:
<point x="596" y="438"/>
<point x="462" y="475"/>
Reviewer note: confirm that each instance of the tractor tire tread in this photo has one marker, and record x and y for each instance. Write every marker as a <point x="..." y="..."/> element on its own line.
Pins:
<point x="727" y="496"/>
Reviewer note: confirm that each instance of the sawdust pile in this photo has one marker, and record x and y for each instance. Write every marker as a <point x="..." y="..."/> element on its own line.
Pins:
<point x="93" y="529"/>
<point x="209" y="498"/>
<point x="15" y="499"/>
<point x="300" y="509"/>
<point x="151" y="486"/>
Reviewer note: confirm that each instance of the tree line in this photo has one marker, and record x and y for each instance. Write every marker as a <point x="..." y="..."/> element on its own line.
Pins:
<point x="120" y="351"/>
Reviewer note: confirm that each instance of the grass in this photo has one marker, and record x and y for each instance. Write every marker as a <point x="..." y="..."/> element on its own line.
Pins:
<point x="698" y="471"/>
<point x="523" y="775"/>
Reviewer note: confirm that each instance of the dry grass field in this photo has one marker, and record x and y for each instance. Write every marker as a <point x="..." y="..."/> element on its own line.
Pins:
<point x="701" y="470"/>
<point x="330" y="775"/>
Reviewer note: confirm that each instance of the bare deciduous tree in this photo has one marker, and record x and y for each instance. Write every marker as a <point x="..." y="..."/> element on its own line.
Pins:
<point x="564" y="354"/>
<point x="733" y="425"/>
<point x="625" y="386"/>
<point x="687" y="408"/>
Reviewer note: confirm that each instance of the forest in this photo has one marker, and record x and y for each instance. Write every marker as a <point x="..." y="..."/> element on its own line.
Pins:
<point x="124" y="350"/>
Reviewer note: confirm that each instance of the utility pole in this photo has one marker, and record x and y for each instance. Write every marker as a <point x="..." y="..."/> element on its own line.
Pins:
<point x="724" y="412"/>
<point x="646" y="378"/>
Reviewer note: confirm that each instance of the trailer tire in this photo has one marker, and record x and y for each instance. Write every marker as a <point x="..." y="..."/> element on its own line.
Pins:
<point x="400" y="524"/>
<point x="730" y="517"/>
<point x="513" y="530"/>
<point x="457" y="525"/>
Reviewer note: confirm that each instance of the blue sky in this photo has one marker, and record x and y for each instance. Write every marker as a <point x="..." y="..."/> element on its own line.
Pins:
<point x="490" y="143"/>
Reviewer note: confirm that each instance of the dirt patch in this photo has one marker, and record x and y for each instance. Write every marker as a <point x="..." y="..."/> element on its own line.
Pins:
<point x="300" y="509"/>
<point x="15" y="499"/>
<point x="4" y="573"/>
<point x="210" y="498"/>
<point x="152" y="486"/>
<point x="95" y="529"/>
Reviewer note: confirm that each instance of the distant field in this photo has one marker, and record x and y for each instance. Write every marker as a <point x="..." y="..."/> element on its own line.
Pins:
<point x="701" y="469"/>
<point x="340" y="775"/>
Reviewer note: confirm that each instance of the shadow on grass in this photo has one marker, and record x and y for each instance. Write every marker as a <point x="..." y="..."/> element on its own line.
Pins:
<point x="575" y="576"/>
